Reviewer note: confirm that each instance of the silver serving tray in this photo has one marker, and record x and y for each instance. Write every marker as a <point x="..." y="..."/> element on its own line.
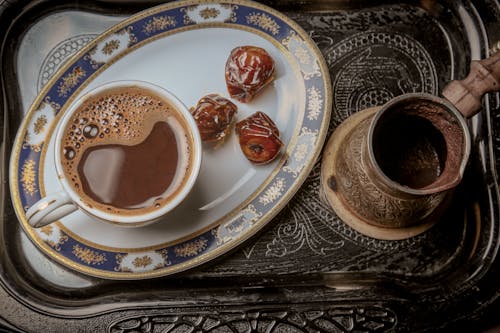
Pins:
<point x="307" y="271"/>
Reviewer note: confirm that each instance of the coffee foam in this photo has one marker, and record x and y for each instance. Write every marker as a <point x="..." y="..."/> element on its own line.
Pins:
<point x="122" y="116"/>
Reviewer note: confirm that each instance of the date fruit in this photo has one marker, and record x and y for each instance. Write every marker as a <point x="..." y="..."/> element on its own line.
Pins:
<point x="259" y="138"/>
<point x="214" y="114"/>
<point x="248" y="70"/>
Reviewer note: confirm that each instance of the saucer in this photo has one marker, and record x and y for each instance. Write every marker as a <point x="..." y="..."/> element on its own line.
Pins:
<point x="183" y="47"/>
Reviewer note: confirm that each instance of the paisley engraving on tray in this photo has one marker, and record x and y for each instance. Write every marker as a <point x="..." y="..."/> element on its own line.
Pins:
<point x="273" y="320"/>
<point x="372" y="67"/>
<point x="323" y="219"/>
<point x="298" y="231"/>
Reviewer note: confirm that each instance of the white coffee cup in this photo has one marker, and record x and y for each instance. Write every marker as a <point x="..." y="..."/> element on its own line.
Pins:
<point x="54" y="206"/>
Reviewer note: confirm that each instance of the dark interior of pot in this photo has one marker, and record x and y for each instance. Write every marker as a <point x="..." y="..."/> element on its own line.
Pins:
<point x="420" y="143"/>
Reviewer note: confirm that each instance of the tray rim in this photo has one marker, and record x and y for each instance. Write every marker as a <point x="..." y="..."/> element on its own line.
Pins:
<point x="460" y="317"/>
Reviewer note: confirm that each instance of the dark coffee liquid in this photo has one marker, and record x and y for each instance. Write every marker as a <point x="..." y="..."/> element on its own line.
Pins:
<point x="410" y="150"/>
<point x="130" y="177"/>
<point x="126" y="151"/>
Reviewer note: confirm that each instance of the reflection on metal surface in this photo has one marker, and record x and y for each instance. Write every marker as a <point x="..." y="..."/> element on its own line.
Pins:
<point x="50" y="42"/>
<point x="59" y="55"/>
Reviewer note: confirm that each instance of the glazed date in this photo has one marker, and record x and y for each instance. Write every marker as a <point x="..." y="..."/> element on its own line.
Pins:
<point x="214" y="114"/>
<point x="248" y="70"/>
<point x="259" y="138"/>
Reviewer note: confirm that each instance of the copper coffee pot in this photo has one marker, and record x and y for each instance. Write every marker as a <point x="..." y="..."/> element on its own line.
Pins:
<point x="389" y="171"/>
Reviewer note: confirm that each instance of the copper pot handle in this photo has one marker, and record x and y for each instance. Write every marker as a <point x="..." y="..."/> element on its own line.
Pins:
<point x="484" y="77"/>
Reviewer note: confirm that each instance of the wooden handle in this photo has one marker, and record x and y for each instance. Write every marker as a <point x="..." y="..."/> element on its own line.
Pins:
<point x="466" y="95"/>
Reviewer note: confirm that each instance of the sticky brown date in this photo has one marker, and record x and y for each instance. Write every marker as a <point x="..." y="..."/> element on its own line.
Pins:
<point x="259" y="138"/>
<point x="213" y="114"/>
<point x="248" y="70"/>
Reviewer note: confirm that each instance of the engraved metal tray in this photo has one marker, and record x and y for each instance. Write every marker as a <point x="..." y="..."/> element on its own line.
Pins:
<point x="307" y="271"/>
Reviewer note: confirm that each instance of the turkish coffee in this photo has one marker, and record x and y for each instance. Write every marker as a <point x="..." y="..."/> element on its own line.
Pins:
<point x="126" y="151"/>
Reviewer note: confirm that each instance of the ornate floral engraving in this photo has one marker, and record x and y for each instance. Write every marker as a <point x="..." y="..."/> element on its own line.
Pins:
<point x="341" y="319"/>
<point x="273" y="192"/>
<point x="373" y="66"/>
<point x="191" y="249"/>
<point x="70" y="81"/>
<point x="110" y="46"/>
<point x="159" y="23"/>
<point x="28" y="177"/>
<point x="88" y="256"/>
<point x="314" y="103"/>
<point x="328" y="223"/>
<point x="298" y="232"/>
<point x="263" y="21"/>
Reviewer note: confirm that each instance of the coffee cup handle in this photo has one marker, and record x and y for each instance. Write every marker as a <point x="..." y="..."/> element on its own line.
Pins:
<point x="49" y="209"/>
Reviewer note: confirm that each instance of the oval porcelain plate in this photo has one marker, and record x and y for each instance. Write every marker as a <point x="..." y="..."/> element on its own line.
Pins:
<point x="182" y="46"/>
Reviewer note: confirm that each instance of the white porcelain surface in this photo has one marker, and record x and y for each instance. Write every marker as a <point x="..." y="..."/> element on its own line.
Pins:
<point x="191" y="64"/>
